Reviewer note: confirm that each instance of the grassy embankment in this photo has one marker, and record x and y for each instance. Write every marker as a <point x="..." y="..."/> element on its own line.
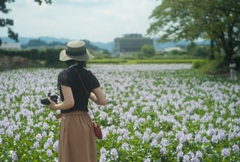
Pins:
<point x="145" y="61"/>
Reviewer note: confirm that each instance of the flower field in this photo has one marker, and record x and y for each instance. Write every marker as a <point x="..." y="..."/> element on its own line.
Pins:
<point x="157" y="113"/>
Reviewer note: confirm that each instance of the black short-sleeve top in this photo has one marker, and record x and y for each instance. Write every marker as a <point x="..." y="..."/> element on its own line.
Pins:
<point x="70" y="78"/>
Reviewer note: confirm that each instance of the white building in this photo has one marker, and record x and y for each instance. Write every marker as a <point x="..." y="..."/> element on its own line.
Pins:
<point x="10" y="46"/>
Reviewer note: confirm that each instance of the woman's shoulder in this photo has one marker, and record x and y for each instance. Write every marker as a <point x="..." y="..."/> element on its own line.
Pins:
<point x="87" y="71"/>
<point x="64" y="72"/>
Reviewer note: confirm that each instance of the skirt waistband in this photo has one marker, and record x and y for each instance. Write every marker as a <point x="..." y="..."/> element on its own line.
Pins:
<point x="74" y="113"/>
<point x="58" y="116"/>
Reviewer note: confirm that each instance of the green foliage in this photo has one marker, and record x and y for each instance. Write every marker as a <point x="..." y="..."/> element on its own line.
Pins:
<point x="102" y="54"/>
<point x="191" y="46"/>
<point x="170" y="56"/>
<point x="211" y="66"/>
<point x="189" y="19"/>
<point x="130" y="56"/>
<point x="197" y="51"/>
<point x="147" y="50"/>
<point x="52" y="59"/>
<point x="201" y="52"/>
<point x="164" y="61"/>
<point x="34" y="54"/>
<point x="106" y="61"/>
<point x="197" y="64"/>
<point x="36" y="43"/>
<point x="42" y="55"/>
<point x="8" y="23"/>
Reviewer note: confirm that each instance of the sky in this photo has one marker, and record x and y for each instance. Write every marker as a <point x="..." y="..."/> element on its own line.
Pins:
<point x="94" y="20"/>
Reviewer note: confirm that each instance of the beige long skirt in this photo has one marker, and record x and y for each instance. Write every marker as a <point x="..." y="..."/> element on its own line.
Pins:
<point x="77" y="142"/>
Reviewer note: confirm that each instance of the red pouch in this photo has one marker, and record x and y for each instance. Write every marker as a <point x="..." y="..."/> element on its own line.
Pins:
<point x="97" y="131"/>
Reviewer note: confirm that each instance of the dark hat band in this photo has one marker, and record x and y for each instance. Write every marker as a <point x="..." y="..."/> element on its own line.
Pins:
<point x="76" y="53"/>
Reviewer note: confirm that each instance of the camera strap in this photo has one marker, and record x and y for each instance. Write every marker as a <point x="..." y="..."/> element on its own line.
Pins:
<point x="85" y="89"/>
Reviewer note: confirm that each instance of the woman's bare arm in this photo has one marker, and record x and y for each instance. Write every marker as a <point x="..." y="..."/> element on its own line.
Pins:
<point x="68" y="100"/>
<point x="98" y="97"/>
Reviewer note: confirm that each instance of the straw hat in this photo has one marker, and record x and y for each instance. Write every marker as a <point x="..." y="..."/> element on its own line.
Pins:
<point x="76" y="50"/>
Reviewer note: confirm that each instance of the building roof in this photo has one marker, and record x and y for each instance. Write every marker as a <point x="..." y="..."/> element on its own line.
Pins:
<point x="10" y="46"/>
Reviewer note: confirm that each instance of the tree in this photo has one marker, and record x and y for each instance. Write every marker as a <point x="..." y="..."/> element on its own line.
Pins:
<point x="197" y="51"/>
<point x="9" y="22"/>
<point x="148" y="50"/>
<point x="36" y="43"/>
<point x="216" y="20"/>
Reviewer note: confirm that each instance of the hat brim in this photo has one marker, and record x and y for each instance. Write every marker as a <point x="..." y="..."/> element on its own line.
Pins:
<point x="64" y="57"/>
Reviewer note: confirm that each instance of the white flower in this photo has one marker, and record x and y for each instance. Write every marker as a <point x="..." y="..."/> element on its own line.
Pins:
<point x="46" y="145"/>
<point x="50" y="141"/>
<point x="9" y="132"/>
<point x="145" y="137"/>
<point x="39" y="137"/>
<point x="17" y="137"/>
<point x="103" y="158"/>
<point x="186" y="158"/>
<point x="14" y="156"/>
<point x="138" y="134"/>
<point x="49" y="153"/>
<point x="163" y="150"/>
<point x="198" y="138"/>
<point x="44" y="134"/>
<point x="125" y="146"/>
<point x="199" y="154"/>
<point x="180" y="154"/>
<point x="235" y="148"/>
<point x="164" y="142"/>
<point x="119" y="138"/>
<point x="179" y="147"/>
<point x="114" y="154"/>
<point x="204" y="140"/>
<point x="36" y="144"/>
<point x="161" y="134"/>
<point x="55" y="146"/>
<point x="27" y="130"/>
<point x="154" y="142"/>
<point x="215" y="139"/>
<point x="103" y="151"/>
<point x="147" y="160"/>
<point x="225" y="152"/>
<point x="45" y="126"/>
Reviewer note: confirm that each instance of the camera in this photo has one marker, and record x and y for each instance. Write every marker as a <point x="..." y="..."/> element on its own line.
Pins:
<point x="54" y="97"/>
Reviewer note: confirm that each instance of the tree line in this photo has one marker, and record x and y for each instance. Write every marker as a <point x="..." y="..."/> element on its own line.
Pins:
<point x="36" y="43"/>
<point x="49" y="56"/>
<point x="215" y="20"/>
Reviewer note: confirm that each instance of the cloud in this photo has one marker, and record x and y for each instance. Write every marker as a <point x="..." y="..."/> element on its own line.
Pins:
<point x="95" y="20"/>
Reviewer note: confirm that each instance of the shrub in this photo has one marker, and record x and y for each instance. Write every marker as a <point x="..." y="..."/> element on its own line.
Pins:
<point x="198" y="63"/>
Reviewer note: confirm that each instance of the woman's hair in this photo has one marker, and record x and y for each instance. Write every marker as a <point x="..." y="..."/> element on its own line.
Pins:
<point x="72" y="62"/>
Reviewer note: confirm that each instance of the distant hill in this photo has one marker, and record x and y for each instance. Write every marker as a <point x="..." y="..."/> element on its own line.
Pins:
<point x="105" y="46"/>
<point x="108" y="46"/>
<point x="24" y="40"/>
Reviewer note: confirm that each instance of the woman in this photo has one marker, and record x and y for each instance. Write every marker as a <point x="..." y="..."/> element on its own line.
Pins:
<point x="77" y="141"/>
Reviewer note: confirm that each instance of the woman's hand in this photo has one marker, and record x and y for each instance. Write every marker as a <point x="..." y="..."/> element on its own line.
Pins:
<point x="68" y="100"/>
<point x="52" y="104"/>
